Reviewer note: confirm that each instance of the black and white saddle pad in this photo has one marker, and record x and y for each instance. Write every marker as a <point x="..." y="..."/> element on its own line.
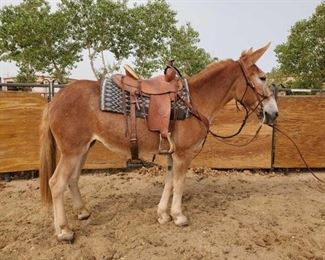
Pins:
<point x="112" y="101"/>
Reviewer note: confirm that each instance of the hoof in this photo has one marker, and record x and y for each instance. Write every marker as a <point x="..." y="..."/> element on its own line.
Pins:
<point x="84" y="214"/>
<point x="164" y="219"/>
<point x="66" y="236"/>
<point x="181" y="221"/>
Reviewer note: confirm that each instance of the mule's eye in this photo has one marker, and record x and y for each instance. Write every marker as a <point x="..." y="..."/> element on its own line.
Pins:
<point x="263" y="78"/>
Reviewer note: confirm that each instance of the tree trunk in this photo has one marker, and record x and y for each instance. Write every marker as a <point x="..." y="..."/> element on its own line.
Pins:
<point x="92" y="65"/>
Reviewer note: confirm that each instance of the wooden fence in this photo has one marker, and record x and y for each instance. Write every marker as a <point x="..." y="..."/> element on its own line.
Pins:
<point x="302" y="118"/>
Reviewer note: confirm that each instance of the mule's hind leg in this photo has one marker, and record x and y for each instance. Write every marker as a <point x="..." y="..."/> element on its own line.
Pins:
<point x="163" y="216"/>
<point x="78" y="203"/>
<point x="58" y="184"/>
<point x="180" y="166"/>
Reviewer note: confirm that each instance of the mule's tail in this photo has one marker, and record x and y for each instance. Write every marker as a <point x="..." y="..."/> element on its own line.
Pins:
<point x="47" y="158"/>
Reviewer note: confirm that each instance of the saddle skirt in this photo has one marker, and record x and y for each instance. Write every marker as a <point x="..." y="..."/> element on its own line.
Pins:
<point x="112" y="101"/>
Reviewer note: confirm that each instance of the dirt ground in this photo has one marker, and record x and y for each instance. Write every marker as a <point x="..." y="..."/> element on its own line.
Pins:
<point x="233" y="215"/>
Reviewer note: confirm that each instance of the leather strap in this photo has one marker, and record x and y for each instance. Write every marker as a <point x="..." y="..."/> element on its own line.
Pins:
<point x="124" y="111"/>
<point x="134" y="149"/>
<point x="133" y="136"/>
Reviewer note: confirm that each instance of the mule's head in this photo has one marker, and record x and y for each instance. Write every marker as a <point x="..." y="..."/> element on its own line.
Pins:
<point x="252" y="90"/>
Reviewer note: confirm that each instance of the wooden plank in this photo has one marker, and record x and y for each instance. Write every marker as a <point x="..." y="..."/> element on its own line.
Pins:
<point x="303" y="119"/>
<point x="20" y="116"/>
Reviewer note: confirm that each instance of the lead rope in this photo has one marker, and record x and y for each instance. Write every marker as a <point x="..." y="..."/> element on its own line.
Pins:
<point x="299" y="152"/>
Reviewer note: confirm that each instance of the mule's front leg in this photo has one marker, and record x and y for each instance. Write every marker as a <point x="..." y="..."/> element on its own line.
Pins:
<point x="180" y="168"/>
<point x="163" y="215"/>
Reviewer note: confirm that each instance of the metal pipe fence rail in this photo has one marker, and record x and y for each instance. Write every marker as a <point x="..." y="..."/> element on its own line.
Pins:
<point x="52" y="85"/>
<point x="47" y="84"/>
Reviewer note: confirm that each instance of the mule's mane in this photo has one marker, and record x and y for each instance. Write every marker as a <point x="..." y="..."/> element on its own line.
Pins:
<point x="211" y="70"/>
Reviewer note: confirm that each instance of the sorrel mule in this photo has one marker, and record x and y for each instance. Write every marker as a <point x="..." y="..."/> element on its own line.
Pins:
<point x="73" y="121"/>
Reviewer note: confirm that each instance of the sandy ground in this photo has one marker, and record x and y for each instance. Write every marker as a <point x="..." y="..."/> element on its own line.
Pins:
<point x="232" y="216"/>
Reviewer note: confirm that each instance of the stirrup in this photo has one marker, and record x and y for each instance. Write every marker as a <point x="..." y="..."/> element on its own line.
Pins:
<point x="170" y="142"/>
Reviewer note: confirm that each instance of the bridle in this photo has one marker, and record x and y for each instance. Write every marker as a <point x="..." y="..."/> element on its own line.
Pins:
<point x="248" y="112"/>
<point x="250" y="84"/>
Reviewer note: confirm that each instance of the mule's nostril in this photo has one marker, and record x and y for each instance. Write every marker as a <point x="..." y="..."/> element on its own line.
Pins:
<point x="276" y="114"/>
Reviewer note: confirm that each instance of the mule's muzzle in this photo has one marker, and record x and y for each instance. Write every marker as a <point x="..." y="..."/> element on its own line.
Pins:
<point x="270" y="111"/>
<point x="270" y="117"/>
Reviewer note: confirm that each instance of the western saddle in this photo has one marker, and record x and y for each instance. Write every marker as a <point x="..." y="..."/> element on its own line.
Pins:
<point x="162" y="91"/>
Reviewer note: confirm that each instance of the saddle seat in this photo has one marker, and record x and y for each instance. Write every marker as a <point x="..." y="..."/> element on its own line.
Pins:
<point x="158" y="85"/>
<point x="153" y="86"/>
<point x="162" y="90"/>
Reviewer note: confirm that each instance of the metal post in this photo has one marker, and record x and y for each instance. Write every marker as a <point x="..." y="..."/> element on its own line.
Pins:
<point x="53" y="86"/>
<point x="47" y="82"/>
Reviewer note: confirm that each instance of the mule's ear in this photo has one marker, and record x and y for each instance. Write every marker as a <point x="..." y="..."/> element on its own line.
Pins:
<point x="253" y="57"/>
<point x="246" y="52"/>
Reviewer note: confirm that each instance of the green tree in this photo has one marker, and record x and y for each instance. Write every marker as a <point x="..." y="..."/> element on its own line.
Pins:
<point x="153" y="26"/>
<point x="40" y="40"/>
<point x="183" y="48"/>
<point x="26" y="74"/>
<point x="100" y="26"/>
<point x="140" y="32"/>
<point x="277" y="77"/>
<point x="146" y="34"/>
<point x="302" y="57"/>
<point x="37" y="40"/>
